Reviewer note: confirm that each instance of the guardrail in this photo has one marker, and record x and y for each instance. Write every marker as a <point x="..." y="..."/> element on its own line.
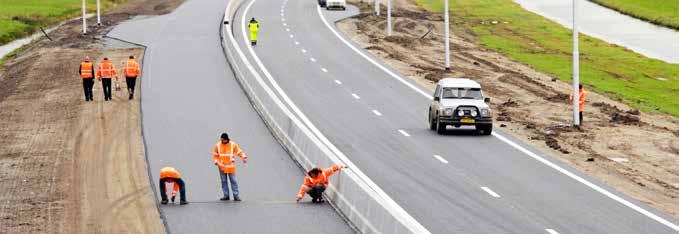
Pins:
<point x="358" y="201"/>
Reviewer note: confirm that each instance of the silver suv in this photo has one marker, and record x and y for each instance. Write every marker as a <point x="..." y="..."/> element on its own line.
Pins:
<point x="459" y="102"/>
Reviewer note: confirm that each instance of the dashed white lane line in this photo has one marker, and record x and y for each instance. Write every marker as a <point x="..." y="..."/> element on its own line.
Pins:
<point x="282" y="19"/>
<point x="291" y="36"/>
<point x="285" y="24"/>
<point x="494" y="194"/>
<point x="551" y="231"/>
<point x="312" y="59"/>
<point x="404" y="133"/>
<point x="296" y="42"/>
<point x="355" y="96"/>
<point x="338" y="82"/>
<point x="287" y="29"/>
<point x="443" y="160"/>
<point x="377" y="113"/>
<point x="282" y="14"/>
<point x="324" y="70"/>
<point x="303" y="51"/>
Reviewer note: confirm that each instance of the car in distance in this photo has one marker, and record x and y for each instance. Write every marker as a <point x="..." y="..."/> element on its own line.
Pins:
<point x="335" y="4"/>
<point x="460" y="102"/>
<point x="322" y="3"/>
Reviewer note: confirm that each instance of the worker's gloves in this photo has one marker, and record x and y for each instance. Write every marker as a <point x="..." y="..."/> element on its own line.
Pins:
<point x="299" y="198"/>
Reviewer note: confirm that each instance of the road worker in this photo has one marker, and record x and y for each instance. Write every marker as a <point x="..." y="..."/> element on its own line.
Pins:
<point x="254" y="29"/>
<point x="315" y="183"/>
<point x="105" y="72"/>
<point x="225" y="152"/>
<point x="131" y="71"/>
<point x="86" y="72"/>
<point x="171" y="175"/>
<point x="583" y="98"/>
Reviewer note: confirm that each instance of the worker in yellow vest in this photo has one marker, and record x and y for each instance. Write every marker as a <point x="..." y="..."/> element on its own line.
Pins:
<point x="86" y="72"/>
<point x="254" y="29"/>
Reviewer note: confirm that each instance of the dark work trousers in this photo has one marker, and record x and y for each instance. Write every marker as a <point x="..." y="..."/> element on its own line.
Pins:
<point x="316" y="192"/>
<point x="581" y="120"/>
<point x="88" y="83"/>
<point x="106" y="83"/>
<point x="163" y="191"/>
<point x="131" y="81"/>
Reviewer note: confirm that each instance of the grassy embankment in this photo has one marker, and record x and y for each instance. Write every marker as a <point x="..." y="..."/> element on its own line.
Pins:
<point x="663" y="12"/>
<point x="21" y="18"/>
<point x="647" y="84"/>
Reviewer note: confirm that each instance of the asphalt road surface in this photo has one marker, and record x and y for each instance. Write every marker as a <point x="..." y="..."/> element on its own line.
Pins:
<point x="457" y="183"/>
<point x="189" y="97"/>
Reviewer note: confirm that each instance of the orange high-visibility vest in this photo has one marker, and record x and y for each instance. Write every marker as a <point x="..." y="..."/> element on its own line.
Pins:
<point x="322" y="178"/>
<point x="224" y="156"/>
<point x="86" y="70"/>
<point x="169" y="172"/>
<point x="131" y="68"/>
<point x="583" y="98"/>
<point x="106" y="69"/>
<point x="175" y="188"/>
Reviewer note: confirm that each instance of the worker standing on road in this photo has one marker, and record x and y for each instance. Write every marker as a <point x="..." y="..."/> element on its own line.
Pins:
<point x="254" y="29"/>
<point x="583" y="98"/>
<point x="171" y="175"/>
<point x="315" y="183"/>
<point x="105" y="72"/>
<point x="86" y="72"/>
<point x="132" y="70"/>
<point x="225" y="152"/>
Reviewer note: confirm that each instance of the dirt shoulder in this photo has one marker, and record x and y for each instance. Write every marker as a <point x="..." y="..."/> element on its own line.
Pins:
<point x="69" y="166"/>
<point x="636" y="153"/>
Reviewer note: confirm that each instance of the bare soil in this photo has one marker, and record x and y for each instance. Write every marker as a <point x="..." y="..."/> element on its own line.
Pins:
<point x="66" y="165"/>
<point x="534" y="106"/>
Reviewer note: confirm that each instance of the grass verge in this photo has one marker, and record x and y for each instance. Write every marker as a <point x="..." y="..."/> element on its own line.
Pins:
<point x="21" y="18"/>
<point x="663" y="13"/>
<point x="502" y="25"/>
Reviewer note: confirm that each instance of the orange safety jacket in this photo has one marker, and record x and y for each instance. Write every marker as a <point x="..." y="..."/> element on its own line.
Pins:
<point x="106" y="69"/>
<point x="224" y="156"/>
<point x="322" y="178"/>
<point x="131" y="68"/>
<point x="169" y="172"/>
<point x="583" y="98"/>
<point x="86" y="70"/>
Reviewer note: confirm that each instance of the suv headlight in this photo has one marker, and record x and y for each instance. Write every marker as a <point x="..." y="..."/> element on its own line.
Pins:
<point x="486" y="113"/>
<point x="460" y="113"/>
<point x="448" y="112"/>
<point x="474" y="113"/>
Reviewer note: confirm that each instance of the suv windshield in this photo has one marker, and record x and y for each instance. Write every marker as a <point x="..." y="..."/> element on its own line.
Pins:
<point x="462" y="93"/>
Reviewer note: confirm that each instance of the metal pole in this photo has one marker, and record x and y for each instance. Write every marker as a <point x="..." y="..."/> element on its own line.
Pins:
<point x="447" y="35"/>
<point x="84" y="19"/>
<point x="98" y="12"/>
<point x="388" y="17"/>
<point x="377" y="7"/>
<point x="576" y="66"/>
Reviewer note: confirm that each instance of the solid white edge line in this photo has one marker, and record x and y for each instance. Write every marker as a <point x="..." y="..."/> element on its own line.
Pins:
<point x="355" y="96"/>
<point x="551" y="231"/>
<point x="377" y="113"/>
<point x="394" y="208"/>
<point x="404" y="133"/>
<point x="516" y="146"/>
<point x="443" y="160"/>
<point x="491" y="192"/>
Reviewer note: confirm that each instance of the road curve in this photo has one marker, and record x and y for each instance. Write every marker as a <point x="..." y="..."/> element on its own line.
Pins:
<point x="189" y="97"/>
<point x="458" y="183"/>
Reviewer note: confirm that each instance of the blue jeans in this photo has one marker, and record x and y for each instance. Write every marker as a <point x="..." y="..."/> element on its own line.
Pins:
<point x="225" y="183"/>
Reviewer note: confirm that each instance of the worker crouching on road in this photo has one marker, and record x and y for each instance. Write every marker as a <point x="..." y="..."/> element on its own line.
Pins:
<point x="225" y="152"/>
<point x="583" y="98"/>
<point x="315" y="183"/>
<point x="254" y="29"/>
<point x="86" y="72"/>
<point x="105" y="72"/>
<point x="131" y="71"/>
<point x="171" y="175"/>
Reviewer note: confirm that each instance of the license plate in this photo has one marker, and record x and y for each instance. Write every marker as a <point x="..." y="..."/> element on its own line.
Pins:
<point x="467" y="120"/>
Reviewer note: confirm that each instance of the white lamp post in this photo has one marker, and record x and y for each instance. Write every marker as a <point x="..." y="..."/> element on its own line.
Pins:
<point x="98" y="12"/>
<point x="84" y="19"/>
<point x="388" y="17"/>
<point x="447" y="35"/>
<point x="576" y="67"/>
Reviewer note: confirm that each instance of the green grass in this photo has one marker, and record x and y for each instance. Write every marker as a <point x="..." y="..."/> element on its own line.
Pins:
<point x="21" y="18"/>
<point x="660" y="12"/>
<point x="546" y="46"/>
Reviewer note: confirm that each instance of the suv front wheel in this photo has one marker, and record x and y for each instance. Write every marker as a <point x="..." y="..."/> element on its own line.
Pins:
<point x="440" y="127"/>
<point x="485" y="129"/>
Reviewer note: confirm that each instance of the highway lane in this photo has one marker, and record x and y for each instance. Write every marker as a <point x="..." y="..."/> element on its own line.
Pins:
<point x="189" y="97"/>
<point x="485" y="186"/>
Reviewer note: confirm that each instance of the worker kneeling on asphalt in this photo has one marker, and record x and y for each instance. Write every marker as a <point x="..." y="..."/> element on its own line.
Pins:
<point x="171" y="175"/>
<point x="315" y="183"/>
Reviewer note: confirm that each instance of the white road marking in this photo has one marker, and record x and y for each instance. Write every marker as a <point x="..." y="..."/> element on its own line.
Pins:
<point x="404" y="133"/>
<point x="287" y="29"/>
<point x="285" y="24"/>
<point x="312" y="59"/>
<point x="282" y="19"/>
<point x="324" y="70"/>
<point x="355" y="96"/>
<point x="291" y="36"/>
<point x="551" y="231"/>
<point x="303" y="51"/>
<point x="338" y="82"/>
<point x="296" y="42"/>
<point x="282" y="14"/>
<point x="494" y="194"/>
<point x="511" y="143"/>
<point x="443" y="160"/>
<point x="377" y="113"/>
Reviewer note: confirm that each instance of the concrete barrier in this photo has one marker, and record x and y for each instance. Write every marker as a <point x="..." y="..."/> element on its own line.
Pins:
<point x="359" y="200"/>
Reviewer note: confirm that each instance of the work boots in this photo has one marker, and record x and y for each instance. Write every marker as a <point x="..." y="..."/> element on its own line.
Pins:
<point x="164" y="202"/>
<point x="183" y="203"/>
<point x="224" y="199"/>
